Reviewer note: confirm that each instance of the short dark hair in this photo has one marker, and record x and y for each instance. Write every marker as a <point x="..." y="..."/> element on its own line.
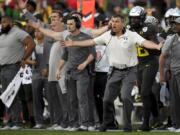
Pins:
<point x="32" y="3"/>
<point x="118" y="16"/>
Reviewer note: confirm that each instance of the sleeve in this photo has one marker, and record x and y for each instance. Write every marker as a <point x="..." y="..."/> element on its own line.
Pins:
<point x="101" y="40"/>
<point x="21" y="35"/>
<point x="167" y="45"/>
<point x="137" y="39"/>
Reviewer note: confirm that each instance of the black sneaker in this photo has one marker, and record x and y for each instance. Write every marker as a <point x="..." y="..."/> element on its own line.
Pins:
<point x="145" y="128"/>
<point x="127" y="130"/>
<point x="103" y="128"/>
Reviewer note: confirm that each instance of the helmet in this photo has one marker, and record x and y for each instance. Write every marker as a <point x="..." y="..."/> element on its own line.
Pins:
<point x="152" y="20"/>
<point x="176" y="12"/>
<point x="137" y="11"/>
<point x="168" y="13"/>
<point x="169" y="16"/>
<point x="137" y="17"/>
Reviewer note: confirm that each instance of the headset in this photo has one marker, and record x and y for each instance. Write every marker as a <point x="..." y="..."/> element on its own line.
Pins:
<point x="76" y="20"/>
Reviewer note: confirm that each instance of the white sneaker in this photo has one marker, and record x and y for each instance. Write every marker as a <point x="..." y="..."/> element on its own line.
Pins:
<point x="58" y="128"/>
<point x="52" y="127"/>
<point x="171" y="129"/>
<point x="83" y="128"/>
<point x="15" y="127"/>
<point x="38" y="126"/>
<point x="67" y="129"/>
<point x="177" y="130"/>
<point x="91" y="128"/>
<point x="73" y="129"/>
<point x="6" y="128"/>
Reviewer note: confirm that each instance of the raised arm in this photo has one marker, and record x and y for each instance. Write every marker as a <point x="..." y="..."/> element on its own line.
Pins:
<point x="29" y="16"/>
<point x="98" y="32"/>
<point x="46" y="31"/>
<point x="151" y="45"/>
<point x="85" y="43"/>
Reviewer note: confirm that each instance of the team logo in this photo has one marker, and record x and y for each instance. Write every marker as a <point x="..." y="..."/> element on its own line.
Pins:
<point x="145" y="29"/>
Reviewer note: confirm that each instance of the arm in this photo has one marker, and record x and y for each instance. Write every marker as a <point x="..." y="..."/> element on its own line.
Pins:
<point x="30" y="45"/>
<point x="46" y="31"/>
<point x="162" y="60"/>
<point x="98" y="32"/>
<point x="22" y="5"/>
<point x="31" y="62"/>
<point x="51" y="33"/>
<point x="150" y="45"/>
<point x="60" y="66"/>
<point x="84" y="43"/>
<point x="89" y="59"/>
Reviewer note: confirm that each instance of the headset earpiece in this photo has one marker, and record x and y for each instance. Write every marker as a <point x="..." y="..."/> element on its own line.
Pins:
<point x="78" y="23"/>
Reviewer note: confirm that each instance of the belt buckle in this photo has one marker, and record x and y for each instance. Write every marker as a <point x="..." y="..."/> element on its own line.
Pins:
<point x="121" y="67"/>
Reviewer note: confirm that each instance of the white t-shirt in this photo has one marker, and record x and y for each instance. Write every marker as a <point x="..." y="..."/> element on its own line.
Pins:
<point x="102" y="63"/>
<point x="121" y="51"/>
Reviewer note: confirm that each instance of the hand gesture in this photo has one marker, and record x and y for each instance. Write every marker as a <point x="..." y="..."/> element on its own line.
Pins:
<point x="66" y="43"/>
<point x="22" y="3"/>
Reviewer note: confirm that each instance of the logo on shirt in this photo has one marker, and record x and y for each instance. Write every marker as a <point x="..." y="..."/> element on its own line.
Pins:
<point x="125" y="38"/>
<point x="145" y="29"/>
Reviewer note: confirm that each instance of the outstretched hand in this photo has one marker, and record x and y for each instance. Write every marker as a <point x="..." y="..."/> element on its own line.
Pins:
<point x="67" y="43"/>
<point x="160" y="45"/>
<point x="22" y="3"/>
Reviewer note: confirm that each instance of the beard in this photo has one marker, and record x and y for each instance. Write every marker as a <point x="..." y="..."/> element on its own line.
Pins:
<point x="5" y="30"/>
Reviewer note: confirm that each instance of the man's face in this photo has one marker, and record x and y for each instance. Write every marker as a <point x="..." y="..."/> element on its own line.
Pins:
<point x="30" y="8"/>
<point x="117" y="24"/>
<point x="71" y="26"/>
<point x="176" y="27"/>
<point x="135" y="22"/>
<point x="55" y="17"/>
<point x="6" y="25"/>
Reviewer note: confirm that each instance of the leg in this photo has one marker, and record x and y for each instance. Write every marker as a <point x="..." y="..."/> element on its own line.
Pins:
<point x="127" y="86"/>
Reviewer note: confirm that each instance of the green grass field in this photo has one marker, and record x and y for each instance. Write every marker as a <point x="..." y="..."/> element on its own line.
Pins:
<point x="45" y="132"/>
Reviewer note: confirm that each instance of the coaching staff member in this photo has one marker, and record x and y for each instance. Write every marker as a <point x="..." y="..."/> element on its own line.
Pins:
<point x="122" y="52"/>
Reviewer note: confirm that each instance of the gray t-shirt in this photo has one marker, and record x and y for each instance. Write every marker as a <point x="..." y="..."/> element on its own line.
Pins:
<point x="171" y="49"/>
<point x="77" y="55"/>
<point x="11" y="47"/>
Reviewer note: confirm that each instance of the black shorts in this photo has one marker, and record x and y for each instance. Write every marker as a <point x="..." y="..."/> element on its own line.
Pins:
<point x="25" y="92"/>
